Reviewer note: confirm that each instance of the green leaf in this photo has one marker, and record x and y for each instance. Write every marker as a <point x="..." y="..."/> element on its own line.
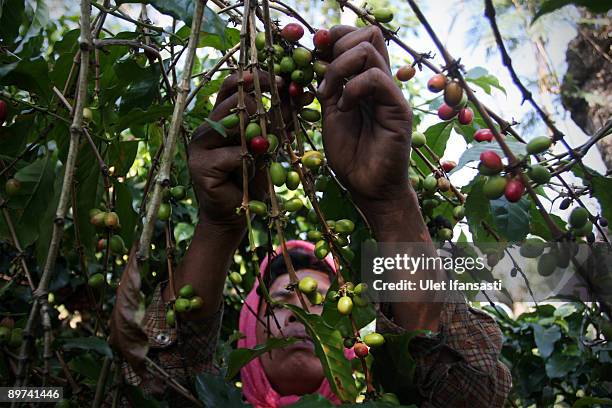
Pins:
<point x="11" y="17"/>
<point x="121" y="156"/>
<point x="560" y="365"/>
<point x="88" y="343"/>
<point x="138" y="116"/>
<point x="591" y="401"/>
<point x="29" y="75"/>
<point x="596" y="6"/>
<point x="511" y="219"/>
<point x="138" y="398"/>
<point x="241" y="356"/>
<point x="329" y="348"/>
<point x="473" y="153"/>
<point x="217" y="126"/>
<point x="601" y="188"/>
<point x="87" y="177"/>
<point x="183" y="232"/>
<point x="214" y="391"/>
<point x="538" y="225"/>
<point x="125" y="210"/>
<point x="437" y="135"/>
<point x="37" y="21"/>
<point x="481" y="77"/>
<point x="477" y="210"/>
<point x="143" y="91"/>
<point x="545" y="339"/>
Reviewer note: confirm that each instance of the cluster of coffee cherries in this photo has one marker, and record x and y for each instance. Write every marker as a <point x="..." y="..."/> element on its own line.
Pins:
<point x="105" y="222"/>
<point x="186" y="301"/>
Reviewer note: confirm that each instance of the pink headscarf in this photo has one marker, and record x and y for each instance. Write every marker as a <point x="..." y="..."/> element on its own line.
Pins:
<point x="255" y="384"/>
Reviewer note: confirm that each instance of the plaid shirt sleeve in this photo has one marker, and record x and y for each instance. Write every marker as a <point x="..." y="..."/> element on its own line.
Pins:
<point x="464" y="370"/>
<point x="182" y="351"/>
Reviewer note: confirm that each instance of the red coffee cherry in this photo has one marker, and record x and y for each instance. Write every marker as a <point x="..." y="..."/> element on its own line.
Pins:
<point x="361" y="350"/>
<point x="445" y="112"/>
<point x="292" y="32"/>
<point x="465" y="116"/>
<point x="448" y="165"/>
<point x="295" y="89"/>
<point x="322" y="39"/>
<point x="491" y="161"/>
<point x="483" y="135"/>
<point x="259" y="145"/>
<point x="405" y="73"/>
<point x="514" y="190"/>
<point x="436" y="83"/>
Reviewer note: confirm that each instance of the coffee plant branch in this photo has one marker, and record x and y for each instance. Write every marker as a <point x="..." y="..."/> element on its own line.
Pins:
<point x="163" y="176"/>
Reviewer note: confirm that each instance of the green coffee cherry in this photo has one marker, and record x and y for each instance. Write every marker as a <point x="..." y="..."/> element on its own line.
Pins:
<point x="310" y="115"/>
<point x="196" y="302"/>
<point x="313" y="159"/>
<point x="182" y="305"/>
<point x="578" y="217"/>
<point x="532" y="248"/>
<point x="301" y="56"/>
<point x="287" y="65"/>
<point x="539" y="174"/>
<point x="308" y="285"/>
<point x="235" y="278"/>
<point x="374" y="340"/>
<point x="293" y="180"/>
<point x="418" y="139"/>
<point x="260" y="41"/>
<point x="164" y="212"/>
<point x="538" y="145"/>
<point x="345" y="305"/>
<point x="494" y="187"/>
<point x="96" y="280"/>
<point x="459" y="212"/>
<point x="314" y="235"/>
<point x="383" y="15"/>
<point x="547" y="264"/>
<point x="430" y="183"/>
<point x="321" y="249"/>
<point x="170" y="318"/>
<point x="294" y="204"/>
<point x="230" y="121"/>
<point x="187" y="291"/>
<point x="344" y="226"/>
<point x="253" y="129"/>
<point x="258" y="207"/>
<point x="278" y="174"/>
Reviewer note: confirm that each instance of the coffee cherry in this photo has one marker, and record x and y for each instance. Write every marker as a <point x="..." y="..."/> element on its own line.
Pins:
<point x="316" y="298"/>
<point x="445" y="234"/>
<point x="453" y="93"/>
<point x="565" y="203"/>
<point x="186" y="291"/>
<point x="170" y="318"/>
<point x="463" y="102"/>
<point x="272" y="142"/>
<point x="320" y="67"/>
<point x="345" y="305"/>
<point x="259" y="145"/>
<point x="361" y="350"/>
<point x="102" y="243"/>
<point x="382" y="15"/>
<point x="586" y="229"/>
<point x="538" y="145"/>
<point x="182" y="305"/>
<point x="111" y="220"/>
<point x="278" y="174"/>
<point x="292" y="32"/>
<point x="308" y="285"/>
<point x="514" y="190"/>
<point x="430" y="183"/>
<point x="235" y="278"/>
<point x="258" y="207"/>
<point x="321" y="249"/>
<point x="322" y="39"/>
<point x="87" y="114"/>
<point x="405" y="73"/>
<point x="466" y="115"/>
<point x="418" y="139"/>
<point x="532" y="248"/>
<point x="196" y="303"/>
<point x="260" y="40"/>
<point x="12" y="186"/>
<point x="287" y="65"/>
<point x="293" y="180"/>
<point x="547" y="264"/>
<point x="98" y="219"/>
<point x="374" y="340"/>
<point x="178" y="192"/>
<point x="578" y="217"/>
<point x="539" y="174"/>
<point x="459" y="212"/>
<point x="448" y="165"/>
<point x="390" y="398"/>
<point x="344" y="226"/>
<point x="252" y="130"/>
<point x="436" y="83"/>
<point x="295" y="90"/>
<point x="116" y="244"/>
<point x="302" y="57"/>
<point x="494" y="187"/>
<point x="164" y="212"/>
<point x="349" y="342"/>
<point x="314" y="235"/>
<point x="491" y="161"/>
<point x="230" y="121"/>
<point x="360" y="289"/>
<point x="331" y="224"/>
<point x="3" y="112"/>
<point x="483" y="135"/>
<point x="294" y="204"/>
<point x="310" y="115"/>
<point x="603" y="222"/>
<point x="443" y="184"/>
<point x="313" y="159"/>
<point x="96" y="280"/>
<point x="446" y="112"/>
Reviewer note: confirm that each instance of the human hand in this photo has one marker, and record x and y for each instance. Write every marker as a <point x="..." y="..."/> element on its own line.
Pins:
<point x="367" y="123"/>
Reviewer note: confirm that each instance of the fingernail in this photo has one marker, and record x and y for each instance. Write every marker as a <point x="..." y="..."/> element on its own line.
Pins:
<point x="321" y="88"/>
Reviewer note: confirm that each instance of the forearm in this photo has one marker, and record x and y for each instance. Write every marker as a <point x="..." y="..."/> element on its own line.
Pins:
<point x="206" y="263"/>
<point x="400" y="221"/>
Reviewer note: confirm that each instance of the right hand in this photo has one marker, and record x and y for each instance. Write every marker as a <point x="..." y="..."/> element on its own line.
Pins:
<point x="215" y="162"/>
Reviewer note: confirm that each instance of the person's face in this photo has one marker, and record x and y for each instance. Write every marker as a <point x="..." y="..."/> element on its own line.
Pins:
<point x="294" y="369"/>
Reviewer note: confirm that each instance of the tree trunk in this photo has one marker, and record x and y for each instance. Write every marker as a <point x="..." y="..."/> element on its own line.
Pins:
<point x="586" y="88"/>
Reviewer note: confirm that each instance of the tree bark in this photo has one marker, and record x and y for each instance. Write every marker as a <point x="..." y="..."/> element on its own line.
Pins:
<point x="586" y="90"/>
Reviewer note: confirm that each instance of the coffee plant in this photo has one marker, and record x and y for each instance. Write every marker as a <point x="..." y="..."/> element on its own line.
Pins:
<point x="95" y="124"/>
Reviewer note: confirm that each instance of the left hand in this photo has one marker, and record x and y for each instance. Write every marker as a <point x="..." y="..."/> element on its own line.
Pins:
<point x="367" y="123"/>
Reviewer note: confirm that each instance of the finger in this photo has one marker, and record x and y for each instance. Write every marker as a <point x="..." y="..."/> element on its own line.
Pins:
<point x="377" y="86"/>
<point x="339" y="31"/>
<point x="360" y="58"/>
<point x="205" y="137"/>
<point x="230" y="85"/>
<point x="371" y="34"/>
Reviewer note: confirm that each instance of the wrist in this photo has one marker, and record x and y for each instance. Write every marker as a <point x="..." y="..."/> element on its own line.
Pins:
<point x="395" y="220"/>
